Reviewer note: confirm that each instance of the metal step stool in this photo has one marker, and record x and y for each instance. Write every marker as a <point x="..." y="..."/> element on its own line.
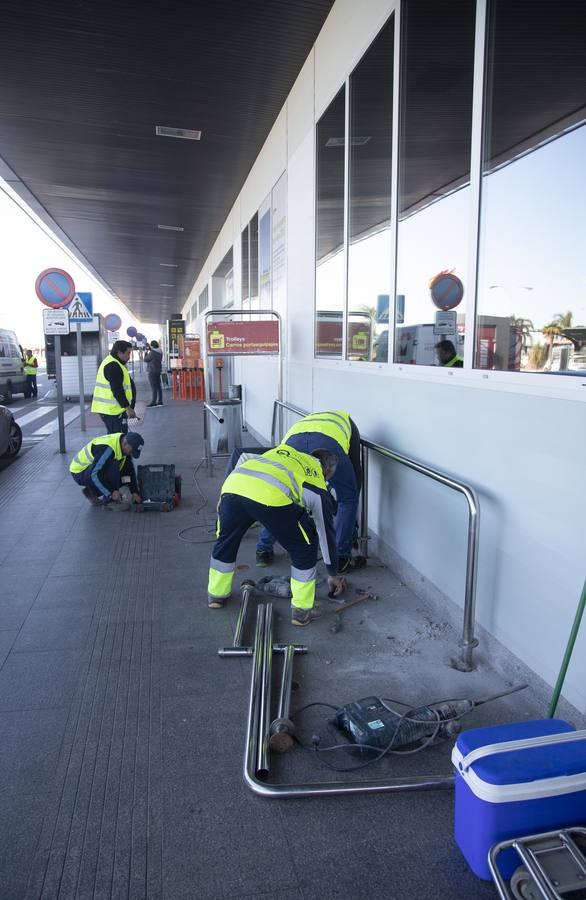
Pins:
<point x="554" y="866"/>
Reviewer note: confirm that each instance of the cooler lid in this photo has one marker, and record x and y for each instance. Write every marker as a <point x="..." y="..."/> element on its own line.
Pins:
<point x="522" y="765"/>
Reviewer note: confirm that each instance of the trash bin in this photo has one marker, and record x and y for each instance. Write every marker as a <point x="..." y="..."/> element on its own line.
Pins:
<point x="227" y="435"/>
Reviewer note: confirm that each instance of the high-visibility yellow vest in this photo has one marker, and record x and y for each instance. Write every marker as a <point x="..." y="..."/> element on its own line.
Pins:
<point x="29" y="368"/>
<point x="103" y="401"/>
<point x="455" y="359"/>
<point x="334" y="423"/>
<point x="84" y="458"/>
<point x="276" y="478"/>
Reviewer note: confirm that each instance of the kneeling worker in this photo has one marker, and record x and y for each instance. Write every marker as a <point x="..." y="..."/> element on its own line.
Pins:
<point x="276" y="489"/>
<point x="101" y="465"/>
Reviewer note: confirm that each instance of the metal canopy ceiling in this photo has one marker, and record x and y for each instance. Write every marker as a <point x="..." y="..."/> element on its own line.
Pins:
<point x="84" y="83"/>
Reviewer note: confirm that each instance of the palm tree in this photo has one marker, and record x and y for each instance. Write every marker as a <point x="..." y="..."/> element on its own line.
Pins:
<point x="526" y="327"/>
<point x="555" y="328"/>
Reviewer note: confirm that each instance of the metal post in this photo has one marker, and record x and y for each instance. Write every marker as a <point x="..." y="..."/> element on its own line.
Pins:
<point x="363" y="539"/>
<point x="264" y="716"/>
<point x="282" y="728"/>
<point x="59" y="385"/>
<point x="80" y="372"/>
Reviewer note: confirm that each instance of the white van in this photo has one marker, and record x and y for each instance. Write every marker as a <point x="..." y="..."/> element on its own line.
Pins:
<point x="12" y="377"/>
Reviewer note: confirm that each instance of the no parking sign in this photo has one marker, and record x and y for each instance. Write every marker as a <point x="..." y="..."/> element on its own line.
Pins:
<point x="55" y="288"/>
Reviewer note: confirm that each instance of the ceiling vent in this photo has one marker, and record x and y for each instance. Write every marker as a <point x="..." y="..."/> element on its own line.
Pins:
<point x="186" y="134"/>
<point x="171" y="227"/>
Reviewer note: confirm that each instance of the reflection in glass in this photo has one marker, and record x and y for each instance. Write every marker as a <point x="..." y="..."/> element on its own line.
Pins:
<point x="531" y="313"/>
<point x="437" y="54"/>
<point x="329" y="276"/>
<point x="369" y="251"/>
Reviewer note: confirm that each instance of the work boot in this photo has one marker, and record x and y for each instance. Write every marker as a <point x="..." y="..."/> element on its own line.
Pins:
<point x="90" y="496"/>
<point x="216" y="602"/>
<point x="264" y="558"/>
<point x="305" y="616"/>
<point x="150" y="405"/>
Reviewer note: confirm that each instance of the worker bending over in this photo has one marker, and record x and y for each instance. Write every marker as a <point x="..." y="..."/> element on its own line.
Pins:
<point x="334" y="431"/>
<point x="115" y="392"/>
<point x="276" y="489"/>
<point x="102" y="465"/>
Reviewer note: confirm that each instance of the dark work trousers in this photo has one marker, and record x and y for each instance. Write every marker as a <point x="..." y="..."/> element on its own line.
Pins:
<point x="116" y="424"/>
<point x="156" y="388"/>
<point x="237" y="514"/>
<point x="110" y="475"/>
<point x="31" y="386"/>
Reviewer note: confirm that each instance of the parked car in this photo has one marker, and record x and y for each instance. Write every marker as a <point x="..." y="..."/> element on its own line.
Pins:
<point x="12" y="377"/>
<point x="10" y="434"/>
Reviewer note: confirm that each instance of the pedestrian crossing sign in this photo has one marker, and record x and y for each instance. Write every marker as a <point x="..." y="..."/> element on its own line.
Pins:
<point x="81" y="308"/>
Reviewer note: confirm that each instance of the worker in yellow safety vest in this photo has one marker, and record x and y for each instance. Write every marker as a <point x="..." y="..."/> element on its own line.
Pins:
<point x="30" y="370"/>
<point x="115" y="392"/>
<point x="335" y="431"/>
<point x="276" y="489"/>
<point x="103" y="465"/>
<point x="447" y="356"/>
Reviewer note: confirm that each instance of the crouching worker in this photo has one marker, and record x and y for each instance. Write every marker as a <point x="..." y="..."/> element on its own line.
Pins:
<point x="277" y="489"/>
<point x="103" y="465"/>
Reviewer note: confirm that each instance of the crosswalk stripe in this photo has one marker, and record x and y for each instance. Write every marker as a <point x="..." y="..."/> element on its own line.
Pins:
<point x="53" y="425"/>
<point x="34" y="414"/>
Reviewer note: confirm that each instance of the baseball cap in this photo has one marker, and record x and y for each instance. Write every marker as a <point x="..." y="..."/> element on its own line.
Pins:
<point x="136" y="441"/>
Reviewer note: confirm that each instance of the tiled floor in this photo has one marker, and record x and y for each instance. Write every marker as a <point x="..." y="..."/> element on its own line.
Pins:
<point x="121" y="731"/>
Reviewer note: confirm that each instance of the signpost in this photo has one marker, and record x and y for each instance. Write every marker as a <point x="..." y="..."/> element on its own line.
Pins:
<point x="81" y="310"/>
<point x="55" y="288"/>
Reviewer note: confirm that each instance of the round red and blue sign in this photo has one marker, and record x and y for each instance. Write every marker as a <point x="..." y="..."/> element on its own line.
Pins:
<point x="55" y="288"/>
<point x="446" y="290"/>
<point x="112" y="322"/>
<point x="131" y="331"/>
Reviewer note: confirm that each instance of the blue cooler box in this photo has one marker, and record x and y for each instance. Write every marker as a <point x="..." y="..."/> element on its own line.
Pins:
<point x="514" y="780"/>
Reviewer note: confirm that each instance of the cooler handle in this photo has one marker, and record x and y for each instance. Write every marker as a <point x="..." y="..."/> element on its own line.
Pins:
<point x="521" y="744"/>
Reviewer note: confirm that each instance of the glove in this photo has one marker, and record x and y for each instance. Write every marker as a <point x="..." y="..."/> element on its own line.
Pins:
<point x="279" y="586"/>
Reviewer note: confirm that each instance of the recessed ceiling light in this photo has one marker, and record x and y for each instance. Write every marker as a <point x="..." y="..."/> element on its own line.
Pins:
<point x="170" y="265"/>
<point x="171" y="227"/>
<point x="166" y="285"/>
<point x="186" y="134"/>
<point x="354" y="141"/>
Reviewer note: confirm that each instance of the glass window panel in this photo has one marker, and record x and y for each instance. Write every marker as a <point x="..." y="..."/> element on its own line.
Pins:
<point x="369" y="251"/>
<point x="437" y="56"/>
<point x="253" y="232"/>
<point x="245" y="295"/>
<point x="531" y="313"/>
<point x="330" y="276"/>
<point x="203" y="300"/>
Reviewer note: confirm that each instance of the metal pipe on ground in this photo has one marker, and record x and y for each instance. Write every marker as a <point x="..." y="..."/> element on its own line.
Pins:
<point x="242" y="652"/>
<point x="242" y="613"/>
<point x="262" y="641"/>
<point x="282" y="728"/>
<point x="264" y="715"/>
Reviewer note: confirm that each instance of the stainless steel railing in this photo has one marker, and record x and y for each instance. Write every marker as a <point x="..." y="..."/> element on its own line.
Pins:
<point x="468" y="641"/>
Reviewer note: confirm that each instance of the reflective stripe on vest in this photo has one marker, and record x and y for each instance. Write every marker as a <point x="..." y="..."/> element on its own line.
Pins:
<point x="29" y="369"/>
<point x="276" y="478"/>
<point x="333" y="423"/>
<point x="103" y="400"/>
<point x="453" y="361"/>
<point x="82" y="460"/>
